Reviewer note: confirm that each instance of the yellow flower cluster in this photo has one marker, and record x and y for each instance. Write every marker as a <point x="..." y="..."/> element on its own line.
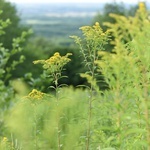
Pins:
<point x="5" y="144"/>
<point x="142" y="7"/>
<point x="5" y="139"/>
<point x="97" y="24"/>
<point x="96" y="27"/>
<point x="55" y="63"/>
<point x="35" y="94"/>
<point x="94" y="33"/>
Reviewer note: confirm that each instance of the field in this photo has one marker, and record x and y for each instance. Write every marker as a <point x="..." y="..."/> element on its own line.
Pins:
<point x="84" y="117"/>
<point x="58" y="21"/>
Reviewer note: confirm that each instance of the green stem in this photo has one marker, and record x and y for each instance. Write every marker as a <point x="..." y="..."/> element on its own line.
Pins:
<point x="89" y="120"/>
<point x="146" y="101"/>
<point x="57" y="101"/>
<point x="90" y="109"/>
<point x="35" y="130"/>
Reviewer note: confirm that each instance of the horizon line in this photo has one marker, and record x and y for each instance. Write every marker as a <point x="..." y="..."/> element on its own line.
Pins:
<point x="46" y="2"/>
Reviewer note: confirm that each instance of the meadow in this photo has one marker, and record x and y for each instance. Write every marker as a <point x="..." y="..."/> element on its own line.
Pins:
<point x="83" y="117"/>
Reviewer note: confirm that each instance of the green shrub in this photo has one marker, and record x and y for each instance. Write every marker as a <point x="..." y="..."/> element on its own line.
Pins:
<point x="6" y="67"/>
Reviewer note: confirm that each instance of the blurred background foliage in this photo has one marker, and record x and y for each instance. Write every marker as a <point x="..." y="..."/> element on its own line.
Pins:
<point x="15" y="28"/>
<point x="38" y="47"/>
<point x="116" y="8"/>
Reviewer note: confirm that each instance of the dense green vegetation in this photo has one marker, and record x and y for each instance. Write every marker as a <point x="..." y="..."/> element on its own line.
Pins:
<point x="15" y="29"/>
<point x="87" y="116"/>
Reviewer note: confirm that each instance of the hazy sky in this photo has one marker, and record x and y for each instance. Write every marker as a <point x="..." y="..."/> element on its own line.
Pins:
<point x="70" y="1"/>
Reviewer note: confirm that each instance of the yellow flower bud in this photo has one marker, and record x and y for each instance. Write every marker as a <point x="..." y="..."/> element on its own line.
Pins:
<point x="5" y="139"/>
<point x="142" y="6"/>
<point x="56" y="54"/>
<point x="35" y="94"/>
<point x="97" y="23"/>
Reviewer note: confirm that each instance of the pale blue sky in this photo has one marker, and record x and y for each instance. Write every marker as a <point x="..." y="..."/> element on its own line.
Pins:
<point x="71" y="1"/>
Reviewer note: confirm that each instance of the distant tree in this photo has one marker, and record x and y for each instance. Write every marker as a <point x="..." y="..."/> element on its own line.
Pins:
<point x="116" y="8"/>
<point x="14" y="29"/>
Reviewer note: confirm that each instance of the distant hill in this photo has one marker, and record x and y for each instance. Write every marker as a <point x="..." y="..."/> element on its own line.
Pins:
<point x="57" y="21"/>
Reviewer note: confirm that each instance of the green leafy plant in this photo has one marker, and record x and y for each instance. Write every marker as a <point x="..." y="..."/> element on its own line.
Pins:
<point x="6" y="67"/>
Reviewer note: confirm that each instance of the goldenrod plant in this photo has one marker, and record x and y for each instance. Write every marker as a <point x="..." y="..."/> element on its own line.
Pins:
<point x="129" y="55"/>
<point x="93" y="40"/>
<point x="126" y="71"/>
<point x="31" y="112"/>
<point x="53" y="67"/>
